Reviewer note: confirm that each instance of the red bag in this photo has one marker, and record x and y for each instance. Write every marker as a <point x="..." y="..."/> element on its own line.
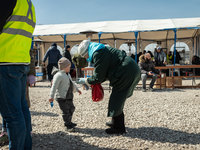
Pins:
<point x="97" y="92"/>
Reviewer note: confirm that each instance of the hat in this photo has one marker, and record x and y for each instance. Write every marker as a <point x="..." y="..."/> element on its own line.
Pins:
<point x="158" y="47"/>
<point x="63" y="63"/>
<point x="68" y="46"/>
<point x="83" y="47"/>
<point x="54" y="44"/>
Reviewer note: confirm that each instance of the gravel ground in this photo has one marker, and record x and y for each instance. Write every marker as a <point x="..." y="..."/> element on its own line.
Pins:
<point x="163" y="119"/>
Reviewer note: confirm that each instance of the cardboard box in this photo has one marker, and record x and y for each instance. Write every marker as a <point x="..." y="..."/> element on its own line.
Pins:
<point x="177" y="81"/>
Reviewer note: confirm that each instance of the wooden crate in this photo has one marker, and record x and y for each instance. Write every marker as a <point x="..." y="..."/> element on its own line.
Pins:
<point x="177" y="81"/>
<point x="163" y="81"/>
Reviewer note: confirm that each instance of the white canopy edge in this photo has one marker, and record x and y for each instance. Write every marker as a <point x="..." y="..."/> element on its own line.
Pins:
<point x="158" y="29"/>
<point x="118" y="26"/>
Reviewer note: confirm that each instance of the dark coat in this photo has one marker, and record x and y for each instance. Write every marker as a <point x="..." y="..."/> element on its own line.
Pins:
<point x="53" y="55"/>
<point x="66" y="53"/>
<point x="122" y="72"/>
<point x="178" y="58"/>
<point x="145" y="66"/>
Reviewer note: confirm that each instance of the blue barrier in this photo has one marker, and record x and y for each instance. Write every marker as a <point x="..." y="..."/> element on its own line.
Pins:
<point x="39" y="74"/>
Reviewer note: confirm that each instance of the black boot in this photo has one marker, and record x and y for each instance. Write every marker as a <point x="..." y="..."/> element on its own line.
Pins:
<point x="118" y="127"/>
<point x="111" y="123"/>
<point x="73" y="124"/>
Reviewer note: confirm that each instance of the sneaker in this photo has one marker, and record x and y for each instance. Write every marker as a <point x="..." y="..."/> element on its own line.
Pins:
<point x="143" y="90"/>
<point x="73" y="124"/>
<point x="70" y="128"/>
<point x="4" y="138"/>
<point x="150" y="89"/>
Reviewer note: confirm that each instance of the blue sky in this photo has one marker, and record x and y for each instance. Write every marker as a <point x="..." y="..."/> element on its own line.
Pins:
<point x="77" y="11"/>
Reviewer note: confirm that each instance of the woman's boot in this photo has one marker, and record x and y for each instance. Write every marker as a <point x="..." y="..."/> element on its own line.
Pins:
<point x="111" y="123"/>
<point x="118" y="126"/>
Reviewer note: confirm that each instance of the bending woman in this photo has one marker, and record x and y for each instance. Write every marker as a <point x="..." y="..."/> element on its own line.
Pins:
<point x="122" y="72"/>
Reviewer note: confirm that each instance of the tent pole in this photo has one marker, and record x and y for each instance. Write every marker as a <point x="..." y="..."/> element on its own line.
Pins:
<point x="193" y="46"/>
<point x="175" y="30"/>
<point x="198" y="45"/>
<point x="99" y="34"/>
<point x="136" y="35"/>
<point x="65" y="35"/>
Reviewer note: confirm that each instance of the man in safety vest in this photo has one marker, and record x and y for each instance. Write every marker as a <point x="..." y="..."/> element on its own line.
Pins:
<point x="17" y="23"/>
<point x="169" y="58"/>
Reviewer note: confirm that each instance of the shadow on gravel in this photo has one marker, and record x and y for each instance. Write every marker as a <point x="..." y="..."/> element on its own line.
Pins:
<point x="35" y="113"/>
<point x="160" y="90"/>
<point x="157" y="134"/>
<point x="168" y="90"/>
<point x="160" y="134"/>
<point x="41" y="86"/>
<point x="62" y="141"/>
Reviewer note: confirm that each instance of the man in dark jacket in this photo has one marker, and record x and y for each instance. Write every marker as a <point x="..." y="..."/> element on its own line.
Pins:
<point x="147" y="70"/>
<point x="178" y="58"/>
<point x="53" y="55"/>
<point x="66" y="53"/>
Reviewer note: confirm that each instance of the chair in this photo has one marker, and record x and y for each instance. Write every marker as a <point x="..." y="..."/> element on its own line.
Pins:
<point x="175" y="70"/>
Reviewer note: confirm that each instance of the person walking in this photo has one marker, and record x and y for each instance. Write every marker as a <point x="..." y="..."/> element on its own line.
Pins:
<point x="53" y="55"/>
<point x="121" y="70"/>
<point x="16" y="28"/>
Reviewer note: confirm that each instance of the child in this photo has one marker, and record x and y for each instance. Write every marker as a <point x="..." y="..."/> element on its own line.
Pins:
<point x="63" y="88"/>
<point x="4" y="134"/>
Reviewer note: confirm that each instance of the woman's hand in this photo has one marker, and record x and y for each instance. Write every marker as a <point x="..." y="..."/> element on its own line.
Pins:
<point x="81" y="80"/>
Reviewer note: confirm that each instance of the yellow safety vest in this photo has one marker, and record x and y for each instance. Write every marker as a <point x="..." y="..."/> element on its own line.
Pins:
<point x="16" y="37"/>
<point x="168" y="59"/>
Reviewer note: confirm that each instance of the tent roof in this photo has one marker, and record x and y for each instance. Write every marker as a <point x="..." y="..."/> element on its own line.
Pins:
<point x="159" y="29"/>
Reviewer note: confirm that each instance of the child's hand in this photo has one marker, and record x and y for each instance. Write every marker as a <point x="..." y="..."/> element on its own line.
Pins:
<point x="50" y="100"/>
<point x="79" y="92"/>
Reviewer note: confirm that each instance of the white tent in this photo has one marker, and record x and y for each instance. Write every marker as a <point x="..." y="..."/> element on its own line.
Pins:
<point x="187" y="28"/>
<point x="110" y="31"/>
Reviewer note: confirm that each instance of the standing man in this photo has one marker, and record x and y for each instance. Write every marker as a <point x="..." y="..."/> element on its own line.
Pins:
<point x="66" y="54"/>
<point x="53" y="55"/>
<point x="169" y="58"/>
<point x="147" y="70"/>
<point x="160" y="57"/>
<point x="16" y="28"/>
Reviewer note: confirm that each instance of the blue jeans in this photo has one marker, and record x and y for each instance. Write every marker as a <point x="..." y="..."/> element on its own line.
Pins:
<point x="13" y="106"/>
<point x="144" y="79"/>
